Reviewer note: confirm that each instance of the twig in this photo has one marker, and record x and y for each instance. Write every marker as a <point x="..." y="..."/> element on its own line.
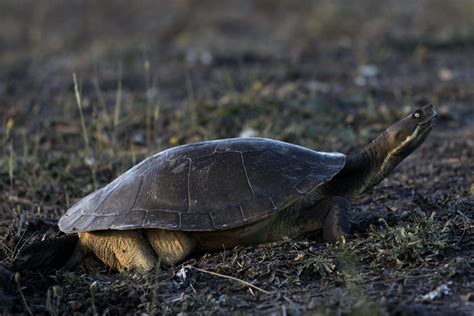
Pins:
<point x="21" y="244"/>
<point x="19" y="200"/>
<point x="191" y="101"/>
<point x="92" y="290"/>
<point x="230" y="278"/>
<point x="118" y="104"/>
<point x="12" y="253"/>
<point x="10" y="167"/>
<point x="79" y="105"/>
<point x="85" y="135"/>
<point x="17" y="281"/>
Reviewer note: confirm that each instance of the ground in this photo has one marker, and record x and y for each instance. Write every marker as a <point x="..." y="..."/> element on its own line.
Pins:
<point x="327" y="75"/>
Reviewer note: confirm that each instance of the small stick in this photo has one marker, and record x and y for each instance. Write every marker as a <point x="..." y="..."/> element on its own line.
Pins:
<point x="230" y="278"/>
<point x="118" y="105"/>
<point x="17" y="281"/>
<point x="79" y="106"/>
<point x="10" y="167"/>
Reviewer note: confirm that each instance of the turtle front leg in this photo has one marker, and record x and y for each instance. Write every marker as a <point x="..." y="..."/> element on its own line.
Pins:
<point x="337" y="221"/>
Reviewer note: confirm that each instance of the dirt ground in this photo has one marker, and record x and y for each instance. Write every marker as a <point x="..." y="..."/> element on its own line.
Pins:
<point x="328" y="75"/>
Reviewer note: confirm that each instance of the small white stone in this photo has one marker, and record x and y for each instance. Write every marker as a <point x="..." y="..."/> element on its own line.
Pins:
<point x="441" y="290"/>
<point x="182" y="273"/>
<point x="445" y="74"/>
<point x="206" y="58"/>
<point x="368" y="70"/>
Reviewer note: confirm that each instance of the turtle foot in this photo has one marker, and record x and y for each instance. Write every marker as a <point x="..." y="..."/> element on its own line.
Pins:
<point x="337" y="224"/>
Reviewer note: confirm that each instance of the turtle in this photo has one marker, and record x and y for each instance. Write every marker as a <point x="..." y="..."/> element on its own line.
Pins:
<point x="218" y="194"/>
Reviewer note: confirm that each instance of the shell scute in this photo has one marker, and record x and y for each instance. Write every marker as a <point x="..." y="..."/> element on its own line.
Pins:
<point x="218" y="181"/>
<point x="195" y="220"/>
<point x="226" y="218"/>
<point x="158" y="218"/>
<point x="131" y="218"/>
<point x="161" y="187"/>
<point x="253" y="208"/>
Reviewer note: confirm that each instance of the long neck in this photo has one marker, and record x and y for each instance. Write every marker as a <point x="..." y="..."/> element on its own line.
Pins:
<point x="364" y="170"/>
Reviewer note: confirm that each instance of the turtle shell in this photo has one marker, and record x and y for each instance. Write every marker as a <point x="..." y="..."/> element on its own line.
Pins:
<point x="207" y="186"/>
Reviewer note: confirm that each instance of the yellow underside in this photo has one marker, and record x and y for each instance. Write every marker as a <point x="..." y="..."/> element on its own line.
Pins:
<point x="140" y="249"/>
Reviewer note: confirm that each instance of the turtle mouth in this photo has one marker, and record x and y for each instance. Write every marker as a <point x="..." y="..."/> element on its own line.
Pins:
<point x="425" y="129"/>
<point x="431" y="120"/>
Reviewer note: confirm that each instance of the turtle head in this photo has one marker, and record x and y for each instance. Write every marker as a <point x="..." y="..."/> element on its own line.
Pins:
<point x="396" y="142"/>
<point x="371" y="165"/>
<point x="404" y="136"/>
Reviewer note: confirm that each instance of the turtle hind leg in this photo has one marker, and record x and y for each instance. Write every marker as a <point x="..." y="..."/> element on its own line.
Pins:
<point x="171" y="246"/>
<point x="121" y="249"/>
<point x="337" y="223"/>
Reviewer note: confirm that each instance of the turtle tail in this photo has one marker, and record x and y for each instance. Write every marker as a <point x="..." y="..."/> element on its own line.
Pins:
<point x="53" y="253"/>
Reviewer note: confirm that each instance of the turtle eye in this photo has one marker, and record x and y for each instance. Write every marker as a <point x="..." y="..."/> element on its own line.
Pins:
<point x="418" y="115"/>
